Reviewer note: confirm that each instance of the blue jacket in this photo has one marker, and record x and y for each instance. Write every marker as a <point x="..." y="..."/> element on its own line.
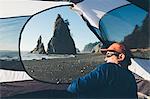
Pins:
<point x="108" y="80"/>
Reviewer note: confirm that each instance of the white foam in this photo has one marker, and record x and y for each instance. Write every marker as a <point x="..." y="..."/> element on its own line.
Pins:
<point x="30" y="56"/>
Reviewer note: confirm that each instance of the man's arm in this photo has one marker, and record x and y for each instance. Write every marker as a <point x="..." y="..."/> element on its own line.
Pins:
<point x="88" y="82"/>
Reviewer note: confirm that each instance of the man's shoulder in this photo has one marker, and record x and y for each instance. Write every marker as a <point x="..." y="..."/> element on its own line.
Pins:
<point x="107" y="66"/>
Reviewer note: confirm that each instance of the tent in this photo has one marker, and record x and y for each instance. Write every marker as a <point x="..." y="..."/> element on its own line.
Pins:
<point x="87" y="8"/>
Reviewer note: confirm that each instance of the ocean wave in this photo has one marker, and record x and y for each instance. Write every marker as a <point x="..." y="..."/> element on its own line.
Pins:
<point x="30" y="56"/>
<point x="8" y="58"/>
<point x="9" y="55"/>
<point x="14" y="55"/>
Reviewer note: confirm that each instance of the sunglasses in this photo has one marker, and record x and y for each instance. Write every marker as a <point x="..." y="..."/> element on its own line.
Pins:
<point x="109" y="54"/>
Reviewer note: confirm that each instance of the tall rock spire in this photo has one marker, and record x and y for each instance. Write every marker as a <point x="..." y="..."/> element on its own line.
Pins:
<point x="61" y="42"/>
<point x="39" y="49"/>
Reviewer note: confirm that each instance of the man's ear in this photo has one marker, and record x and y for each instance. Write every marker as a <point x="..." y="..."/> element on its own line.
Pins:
<point x="121" y="57"/>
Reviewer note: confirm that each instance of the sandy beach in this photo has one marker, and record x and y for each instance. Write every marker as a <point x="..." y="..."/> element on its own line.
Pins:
<point x="59" y="72"/>
<point x="62" y="70"/>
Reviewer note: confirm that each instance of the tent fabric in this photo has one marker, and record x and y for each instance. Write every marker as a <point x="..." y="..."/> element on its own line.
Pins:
<point x="36" y="89"/>
<point x="25" y="7"/>
<point x="93" y="11"/>
<point x="90" y="10"/>
<point x="10" y="76"/>
<point x="143" y="86"/>
<point x="23" y="89"/>
<point x="138" y="66"/>
<point x="141" y="68"/>
<point x="144" y="4"/>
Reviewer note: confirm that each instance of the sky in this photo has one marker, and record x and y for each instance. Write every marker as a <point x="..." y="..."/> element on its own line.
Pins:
<point x="43" y="24"/>
<point x="10" y="32"/>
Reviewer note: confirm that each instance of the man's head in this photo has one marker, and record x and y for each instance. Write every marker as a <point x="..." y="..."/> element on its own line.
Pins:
<point x="117" y="53"/>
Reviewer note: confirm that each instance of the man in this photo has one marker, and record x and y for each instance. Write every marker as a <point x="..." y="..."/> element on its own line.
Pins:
<point x="109" y="80"/>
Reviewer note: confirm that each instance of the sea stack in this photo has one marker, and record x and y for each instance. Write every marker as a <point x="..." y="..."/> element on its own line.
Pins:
<point x="97" y="48"/>
<point x="139" y="38"/>
<point x="39" y="49"/>
<point x="61" y="42"/>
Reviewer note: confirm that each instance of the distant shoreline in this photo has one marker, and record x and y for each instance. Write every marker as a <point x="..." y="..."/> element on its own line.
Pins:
<point x="62" y="70"/>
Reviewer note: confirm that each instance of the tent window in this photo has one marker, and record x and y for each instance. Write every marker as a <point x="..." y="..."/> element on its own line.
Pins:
<point x="128" y="24"/>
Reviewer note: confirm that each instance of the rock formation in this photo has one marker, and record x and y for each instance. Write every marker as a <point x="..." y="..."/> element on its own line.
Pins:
<point x="39" y="49"/>
<point x="89" y="47"/>
<point x="140" y="36"/>
<point x="97" y="48"/>
<point x="77" y="50"/>
<point x="61" y="42"/>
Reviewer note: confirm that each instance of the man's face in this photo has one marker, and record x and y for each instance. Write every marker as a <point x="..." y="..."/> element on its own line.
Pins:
<point x="113" y="57"/>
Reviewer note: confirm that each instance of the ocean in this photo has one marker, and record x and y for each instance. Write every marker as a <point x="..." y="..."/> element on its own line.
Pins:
<point x="14" y="55"/>
<point x="9" y="55"/>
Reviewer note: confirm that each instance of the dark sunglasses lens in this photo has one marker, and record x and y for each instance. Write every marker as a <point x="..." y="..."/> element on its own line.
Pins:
<point x="109" y="54"/>
<point x="103" y="52"/>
